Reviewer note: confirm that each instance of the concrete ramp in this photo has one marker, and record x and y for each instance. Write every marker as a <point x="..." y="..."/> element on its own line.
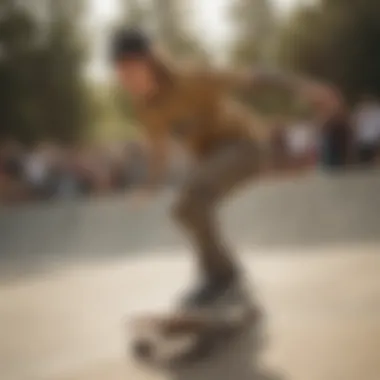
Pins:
<point x="317" y="210"/>
<point x="318" y="283"/>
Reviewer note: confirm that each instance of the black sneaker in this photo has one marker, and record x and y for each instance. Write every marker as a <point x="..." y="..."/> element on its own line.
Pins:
<point x="208" y="292"/>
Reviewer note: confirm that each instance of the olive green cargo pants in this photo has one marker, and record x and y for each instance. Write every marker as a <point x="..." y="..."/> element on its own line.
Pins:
<point x="226" y="169"/>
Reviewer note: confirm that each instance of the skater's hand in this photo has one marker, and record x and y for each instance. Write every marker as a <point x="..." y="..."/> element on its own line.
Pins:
<point x="325" y="100"/>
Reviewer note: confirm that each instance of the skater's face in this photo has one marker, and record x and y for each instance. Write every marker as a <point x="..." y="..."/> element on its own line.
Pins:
<point x="137" y="77"/>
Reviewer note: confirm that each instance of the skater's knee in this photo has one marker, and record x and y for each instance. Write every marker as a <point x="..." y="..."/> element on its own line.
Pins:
<point x="194" y="205"/>
<point x="186" y="211"/>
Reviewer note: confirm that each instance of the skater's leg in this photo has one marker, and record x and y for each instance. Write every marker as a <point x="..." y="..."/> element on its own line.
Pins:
<point x="222" y="172"/>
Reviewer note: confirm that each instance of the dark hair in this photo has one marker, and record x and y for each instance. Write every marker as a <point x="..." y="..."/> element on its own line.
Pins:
<point x="129" y="43"/>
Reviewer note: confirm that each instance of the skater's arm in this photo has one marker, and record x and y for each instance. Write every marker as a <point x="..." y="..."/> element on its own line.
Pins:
<point x="255" y="78"/>
<point x="321" y="96"/>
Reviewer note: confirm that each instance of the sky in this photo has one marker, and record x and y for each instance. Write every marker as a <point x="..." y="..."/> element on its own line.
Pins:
<point x="210" y="22"/>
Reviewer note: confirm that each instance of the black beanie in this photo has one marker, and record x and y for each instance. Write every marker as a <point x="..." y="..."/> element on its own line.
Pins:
<point x="129" y="43"/>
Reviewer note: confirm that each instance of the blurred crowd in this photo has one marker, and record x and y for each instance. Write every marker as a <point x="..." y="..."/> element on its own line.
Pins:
<point x="49" y="171"/>
<point x="351" y="140"/>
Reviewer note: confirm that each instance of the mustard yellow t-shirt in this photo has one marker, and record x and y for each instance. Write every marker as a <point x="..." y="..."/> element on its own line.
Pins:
<point x="197" y="109"/>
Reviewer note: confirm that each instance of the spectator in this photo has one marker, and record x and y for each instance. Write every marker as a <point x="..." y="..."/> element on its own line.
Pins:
<point x="336" y="131"/>
<point x="279" y="147"/>
<point x="135" y="158"/>
<point x="11" y="171"/>
<point x="367" y="130"/>
<point x="100" y="162"/>
<point x="67" y="185"/>
<point x="12" y="156"/>
<point x="84" y="171"/>
<point x="37" y="170"/>
<point x="301" y="143"/>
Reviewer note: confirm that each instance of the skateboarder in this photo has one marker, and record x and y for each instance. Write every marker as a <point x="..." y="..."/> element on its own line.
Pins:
<point x="194" y="107"/>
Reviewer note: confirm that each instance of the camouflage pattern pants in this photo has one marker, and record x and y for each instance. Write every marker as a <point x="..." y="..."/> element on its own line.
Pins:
<point x="216" y="177"/>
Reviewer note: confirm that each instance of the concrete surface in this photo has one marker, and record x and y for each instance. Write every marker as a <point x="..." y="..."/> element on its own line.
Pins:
<point x="323" y="318"/>
<point x="71" y="272"/>
<point x="342" y="208"/>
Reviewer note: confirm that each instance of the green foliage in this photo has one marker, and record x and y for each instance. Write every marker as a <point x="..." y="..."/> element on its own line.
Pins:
<point x="254" y="31"/>
<point x="254" y="27"/>
<point x="113" y="115"/>
<point x="133" y="13"/>
<point x="171" y="20"/>
<point x="338" y="41"/>
<point x="42" y="95"/>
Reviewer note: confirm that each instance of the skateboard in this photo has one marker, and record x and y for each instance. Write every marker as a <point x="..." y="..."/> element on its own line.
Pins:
<point x="187" y="336"/>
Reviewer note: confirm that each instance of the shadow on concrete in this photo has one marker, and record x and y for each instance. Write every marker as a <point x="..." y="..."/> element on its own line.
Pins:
<point x="239" y="358"/>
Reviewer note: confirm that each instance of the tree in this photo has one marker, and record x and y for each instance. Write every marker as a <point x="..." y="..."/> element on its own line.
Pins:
<point x="171" y="20"/>
<point x="64" y="90"/>
<point x="42" y="94"/>
<point x="133" y="13"/>
<point x="254" y="24"/>
<point x="254" y="28"/>
<point x="17" y="63"/>
<point x="338" y="41"/>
